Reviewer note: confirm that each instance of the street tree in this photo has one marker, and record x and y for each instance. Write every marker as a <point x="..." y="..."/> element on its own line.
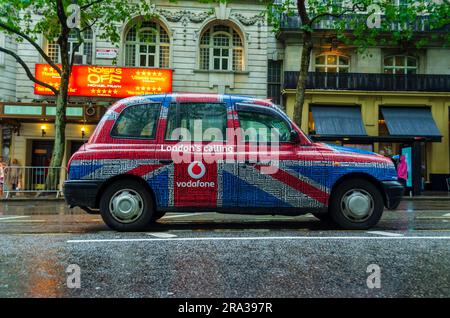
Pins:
<point x="58" y="20"/>
<point x="362" y="24"/>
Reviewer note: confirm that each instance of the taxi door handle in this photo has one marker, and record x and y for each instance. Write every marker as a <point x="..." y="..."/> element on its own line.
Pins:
<point x="166" y="162"/>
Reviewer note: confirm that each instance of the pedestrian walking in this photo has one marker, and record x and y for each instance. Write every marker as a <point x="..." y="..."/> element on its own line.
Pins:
<point x="2" y="175"/>
<point x="402" y="170"/>
<point x="13" y="176"/>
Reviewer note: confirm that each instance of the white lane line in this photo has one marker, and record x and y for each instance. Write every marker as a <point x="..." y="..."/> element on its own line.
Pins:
<point x="446" y="214"/>
<point x="383" y="233"/>
<point x="179" y="216"/>
<point x="13" y="217"/>
<point x="264" y="238"/>
<point x="162" y="235"/>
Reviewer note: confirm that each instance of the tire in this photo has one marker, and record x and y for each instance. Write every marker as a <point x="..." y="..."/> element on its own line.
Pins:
<point x="127" y="206"/>
<point x="356" y="204"/>
<point x="324" y="217"/>
<point x="157" y="215"/>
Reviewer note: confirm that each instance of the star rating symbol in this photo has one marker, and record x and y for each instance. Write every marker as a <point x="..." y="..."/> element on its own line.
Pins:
<point x="115" y="91"/>
<point x="138" y="73"/>
<point x="159" y="89"/>
<point x="93" y="91"/>
<point x="104" y="91"/>
<point x="98" y="91"/>
<point x="109" y="91"/>
<point x="138" y="88"/>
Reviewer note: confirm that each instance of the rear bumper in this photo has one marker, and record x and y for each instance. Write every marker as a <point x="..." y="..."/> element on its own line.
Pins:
<point x="82" y="193"/>
<point x="394" y="193"/>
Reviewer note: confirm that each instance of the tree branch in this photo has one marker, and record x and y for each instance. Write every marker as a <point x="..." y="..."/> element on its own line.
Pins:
<point x="301" y="8"/>
<point x="33" y="43"/>
<point x="88" y="5"/>
<point x="76" y="47"/>
<point x="28" y="71"/>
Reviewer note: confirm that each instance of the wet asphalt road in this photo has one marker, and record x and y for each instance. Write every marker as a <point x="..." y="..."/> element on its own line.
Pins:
<point x="216" y="255"/>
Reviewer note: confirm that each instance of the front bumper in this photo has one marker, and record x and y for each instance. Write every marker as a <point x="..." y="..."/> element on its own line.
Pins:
<point x="393" y="191"/>
<point x="82" y="193"/>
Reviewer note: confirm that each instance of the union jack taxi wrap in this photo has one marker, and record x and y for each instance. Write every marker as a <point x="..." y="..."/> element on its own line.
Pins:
<point x="304" y="175"/>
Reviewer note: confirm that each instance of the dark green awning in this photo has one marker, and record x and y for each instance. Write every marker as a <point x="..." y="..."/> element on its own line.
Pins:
<point x="410" y="121"/>
<point x="338" y="120"/>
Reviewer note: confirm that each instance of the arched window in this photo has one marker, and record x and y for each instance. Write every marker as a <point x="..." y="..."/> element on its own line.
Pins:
<point x="221" y="49"/>
<point x="148" y="46"/>
<point x="85" y="50"/>
<point x="400" y="64"/>
<point x="332" y="63"/>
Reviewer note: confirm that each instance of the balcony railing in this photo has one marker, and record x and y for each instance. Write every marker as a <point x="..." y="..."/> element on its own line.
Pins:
<point x="421" y="24"/>
<point x="371" y="81"/>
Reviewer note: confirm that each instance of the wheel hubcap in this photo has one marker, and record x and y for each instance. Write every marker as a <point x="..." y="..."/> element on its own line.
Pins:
<point x="357" y="205"/>
<point x="126" y="206"/>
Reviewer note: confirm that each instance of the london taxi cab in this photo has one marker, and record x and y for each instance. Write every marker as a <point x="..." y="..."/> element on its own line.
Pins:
<point x="223" y="153"/>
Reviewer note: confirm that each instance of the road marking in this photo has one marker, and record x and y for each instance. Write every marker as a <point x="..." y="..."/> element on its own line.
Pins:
<point x="383" y="233"/>
<point x="179" y="216"/>
<point x="264" y="238"/>
<point x="447" y="214"/>
<point x="14" y="217"/>
<point x="162" y="235"/>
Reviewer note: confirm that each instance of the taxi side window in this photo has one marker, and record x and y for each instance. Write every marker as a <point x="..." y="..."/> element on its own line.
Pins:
<point x="261" y="127"/>
<point x="138" y="121"/>
<point x="196" y="122"/>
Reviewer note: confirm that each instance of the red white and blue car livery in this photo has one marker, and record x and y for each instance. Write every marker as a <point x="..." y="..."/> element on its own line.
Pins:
<point x="134" y="181"/>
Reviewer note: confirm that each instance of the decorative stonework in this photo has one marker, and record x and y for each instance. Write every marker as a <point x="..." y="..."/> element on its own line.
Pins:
<point x="248" y="21"/>
<point x="184" y="15"/>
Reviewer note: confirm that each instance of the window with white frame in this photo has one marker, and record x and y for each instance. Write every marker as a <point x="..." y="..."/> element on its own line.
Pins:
<point x="85" y="50"/>
<point x="147" y="45"/>
<point x="332" y="63"/>
<point x="400" y="64"/>
<point x="221" y="49"/>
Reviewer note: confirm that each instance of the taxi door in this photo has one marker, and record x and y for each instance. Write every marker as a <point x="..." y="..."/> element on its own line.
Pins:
<point x="275" y="168"/>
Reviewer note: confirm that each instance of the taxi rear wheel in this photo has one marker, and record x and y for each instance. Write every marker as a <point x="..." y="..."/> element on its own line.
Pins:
<point x="127" y="206"/>
<point x="356" y="204"/>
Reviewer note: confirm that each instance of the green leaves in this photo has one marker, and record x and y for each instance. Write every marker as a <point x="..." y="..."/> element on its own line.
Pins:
<point x="368" y="23"/>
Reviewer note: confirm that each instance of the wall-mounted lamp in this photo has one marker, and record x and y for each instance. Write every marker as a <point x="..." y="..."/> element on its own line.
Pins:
<point x="83" y="132"/>
<point x="43" y="128"/>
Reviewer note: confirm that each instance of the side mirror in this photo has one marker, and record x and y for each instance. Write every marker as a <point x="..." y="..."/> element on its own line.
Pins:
<point x="295" y="137"/>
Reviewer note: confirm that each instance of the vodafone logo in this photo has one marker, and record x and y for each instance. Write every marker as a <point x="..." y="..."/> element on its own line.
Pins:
<point x="196" y="170"/>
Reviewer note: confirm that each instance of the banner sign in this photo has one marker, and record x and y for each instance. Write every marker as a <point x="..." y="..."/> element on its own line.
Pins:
<point x="106" y="81"/>
<point x="108" y="54"/>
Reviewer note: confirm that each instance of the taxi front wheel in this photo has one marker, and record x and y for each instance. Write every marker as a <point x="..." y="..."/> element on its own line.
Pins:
<point x="356" y="204"/>
<point x="126" y="206"/>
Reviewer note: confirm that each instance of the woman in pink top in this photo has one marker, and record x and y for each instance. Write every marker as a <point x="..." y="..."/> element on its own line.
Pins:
<point x="402" y="170"/>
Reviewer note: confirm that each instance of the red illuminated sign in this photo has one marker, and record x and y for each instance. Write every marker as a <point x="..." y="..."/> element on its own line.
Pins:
<point x="106" y="81"/>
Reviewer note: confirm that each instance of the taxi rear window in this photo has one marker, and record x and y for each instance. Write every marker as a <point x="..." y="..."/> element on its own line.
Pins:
<point x="137" y="121"/>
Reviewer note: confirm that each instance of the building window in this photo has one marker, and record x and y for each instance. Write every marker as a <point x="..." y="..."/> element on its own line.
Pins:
<point x="274" y="72"/>
<point x="84" y="52"/>
<point x="400" y="64"/>
<point x="147" y="45"/>
<point x="332" y="63"/>
<point x="221" y="49"/>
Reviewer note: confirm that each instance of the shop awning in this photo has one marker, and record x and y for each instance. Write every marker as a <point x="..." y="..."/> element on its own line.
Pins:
<point x="338" y="121"/>
<point x="410" y="121"/>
